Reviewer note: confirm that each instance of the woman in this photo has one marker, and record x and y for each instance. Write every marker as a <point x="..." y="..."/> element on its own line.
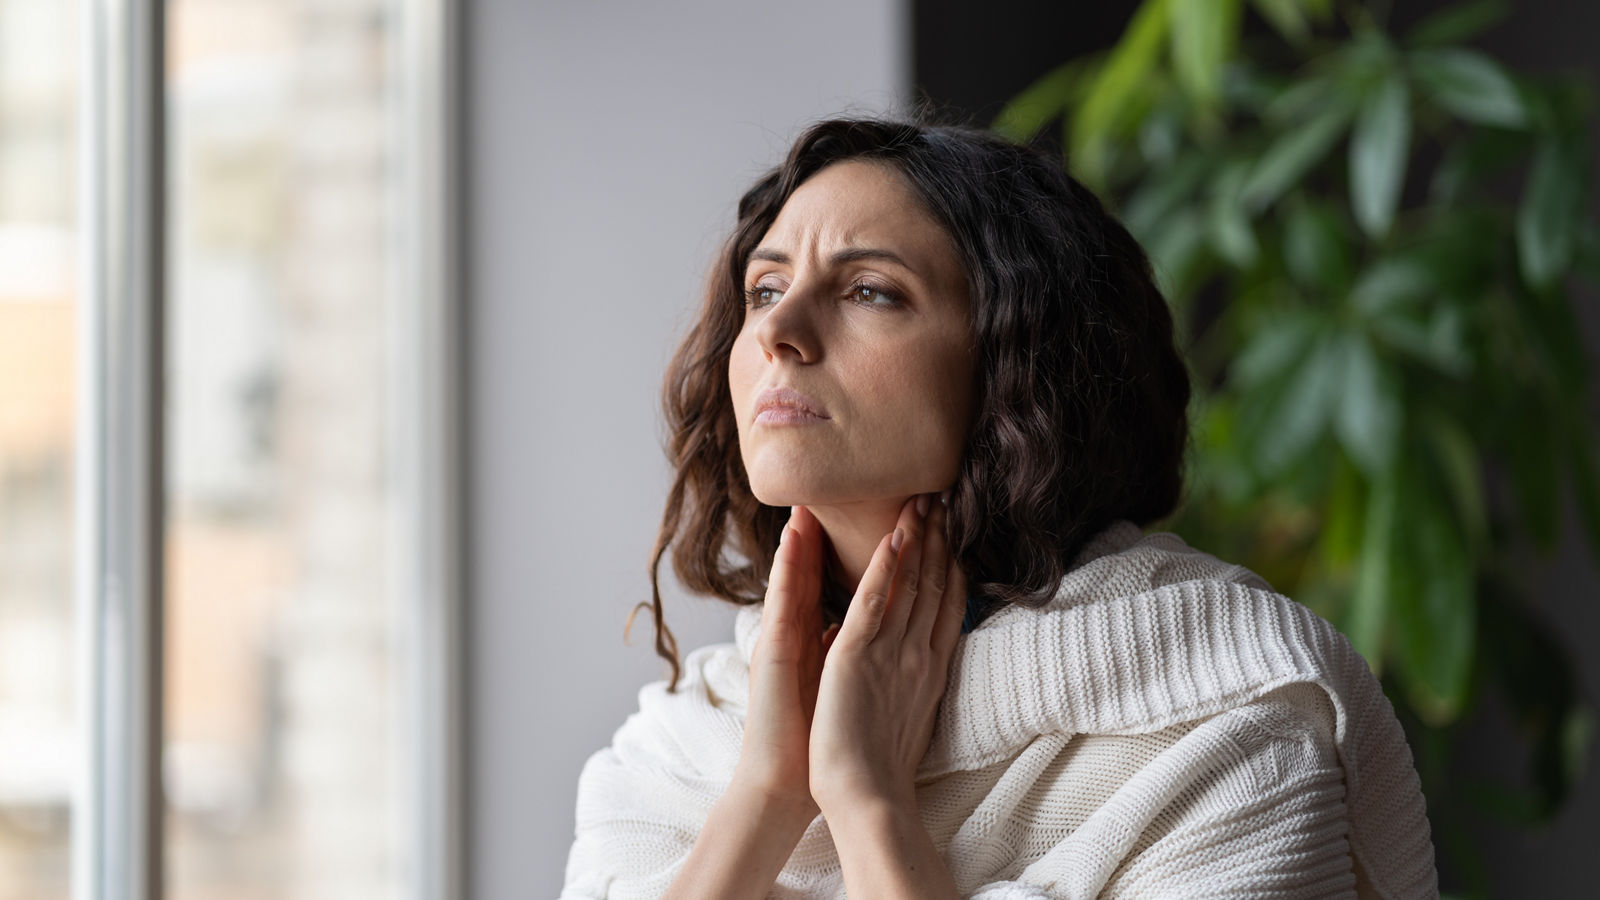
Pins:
<point x="930" y="401"/>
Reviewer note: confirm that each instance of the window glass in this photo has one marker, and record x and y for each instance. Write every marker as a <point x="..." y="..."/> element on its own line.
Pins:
<point x="283" y="762"/>
<point x="38" y="301"/>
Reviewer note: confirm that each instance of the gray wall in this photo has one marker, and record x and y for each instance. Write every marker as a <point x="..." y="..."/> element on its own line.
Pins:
<point x="607" y="145"/>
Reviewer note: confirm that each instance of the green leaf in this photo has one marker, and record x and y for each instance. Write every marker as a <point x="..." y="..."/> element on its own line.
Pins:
<point x="1439" y="343"/>
<point x="1471" y="160"/>
<point x="1174" y="249"/>
<point x="1462" y="247"/>
<point x="1457" y="24"/>
<point x="1230" y="230"/>
<point x="1393" y="283"/>
<point x="1232" y="236"/>
<point x="1248" y="88"/>
<point x="1289" y="157"/>
<point x="1286" y="17"/>
<point x="1218" y="460"/>
<point x="1556" y="337"/>
<point x="1367" y="620"/>
<point x="1272" y="348"/>
<point x="1090" y="160"/>
<point x="1379" y="147"/>
<point x="1470" y="85"/>
<point x="1030" y="111"/>
<point x="1300" y="415"/>
<point x="1340" y="542"/>
<point x="1161" y="136"/>
<point x="1434" y="604"/>
<point x="1310" y="91"/>
<point x="1462" y="474"/>
<point x="1446" y="346"/>
<point x="1162" y="191"/>
<point x="1315" y="249"/>
<point x="1369" y="413"/>
<point x="1547" y="217"/>
<point x="1203" y="34"/>
<point x="1364" y="62"/>
<point x="1107" y="109"/>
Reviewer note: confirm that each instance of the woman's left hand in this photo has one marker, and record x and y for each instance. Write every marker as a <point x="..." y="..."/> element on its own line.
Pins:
<point x="887" y="667"/>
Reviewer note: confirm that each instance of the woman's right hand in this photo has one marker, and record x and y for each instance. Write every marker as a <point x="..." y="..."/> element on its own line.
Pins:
<point x="756" y="824"/>
<point x="785" y="669"/>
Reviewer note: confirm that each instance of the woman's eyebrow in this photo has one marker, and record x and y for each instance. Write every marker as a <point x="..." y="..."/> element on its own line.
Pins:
<point x="854" y="254"/>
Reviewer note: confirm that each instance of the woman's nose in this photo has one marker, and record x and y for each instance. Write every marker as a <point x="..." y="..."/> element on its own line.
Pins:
<point x="790" y="326"/>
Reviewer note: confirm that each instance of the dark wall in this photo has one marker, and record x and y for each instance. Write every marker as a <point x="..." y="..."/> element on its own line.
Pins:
<point x="971" y="58"/>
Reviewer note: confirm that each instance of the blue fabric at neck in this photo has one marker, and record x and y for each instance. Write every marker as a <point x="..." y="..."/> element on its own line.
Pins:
<point x="970" y="620"/>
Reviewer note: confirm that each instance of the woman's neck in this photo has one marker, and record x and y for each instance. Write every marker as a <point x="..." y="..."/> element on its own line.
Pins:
<point x="853" y="532"/>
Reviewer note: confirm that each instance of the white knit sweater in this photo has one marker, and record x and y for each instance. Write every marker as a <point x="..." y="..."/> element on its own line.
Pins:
<point x="1166" y="727"/>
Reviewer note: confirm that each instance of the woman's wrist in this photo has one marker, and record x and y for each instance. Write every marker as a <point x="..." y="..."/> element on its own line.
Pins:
<point x="775" y="802"/>
<point x="747" y="838"/>
<point x="886" y="851"/>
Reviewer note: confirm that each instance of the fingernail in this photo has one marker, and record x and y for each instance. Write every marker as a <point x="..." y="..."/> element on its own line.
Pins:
<point x="944" y="497"/>
<point x="894" y="542"/>
<point x="792" y="511"/>
<point x="922" y="504"/>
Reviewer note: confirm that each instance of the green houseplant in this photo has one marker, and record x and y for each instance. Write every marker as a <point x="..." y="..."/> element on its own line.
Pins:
<point x="1371" y="241"/>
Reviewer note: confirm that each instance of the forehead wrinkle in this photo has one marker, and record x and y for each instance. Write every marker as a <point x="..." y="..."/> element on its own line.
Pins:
<point x="850" y="241"/>
<point x="830" y="215"/>
<point x="811" y="230"/>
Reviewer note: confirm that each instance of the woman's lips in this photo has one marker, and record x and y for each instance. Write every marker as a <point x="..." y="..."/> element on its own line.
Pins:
<point x="787" y="415"/>
<point x="786" y="406"/>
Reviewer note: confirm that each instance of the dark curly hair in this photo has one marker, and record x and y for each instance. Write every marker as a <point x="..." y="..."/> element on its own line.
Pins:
<point x="1082" y="398"/>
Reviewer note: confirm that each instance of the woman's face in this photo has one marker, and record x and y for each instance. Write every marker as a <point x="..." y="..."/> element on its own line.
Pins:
<point x="856" y="300"/>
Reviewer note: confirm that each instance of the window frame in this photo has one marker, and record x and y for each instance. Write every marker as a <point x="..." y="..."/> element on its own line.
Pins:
<point x="429" y="444"/>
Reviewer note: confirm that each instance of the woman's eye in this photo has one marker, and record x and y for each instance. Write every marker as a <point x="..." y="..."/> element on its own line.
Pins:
<point x="865" y="294"/>
<point x="873" y="296"/>
<point x="761" y="296"/>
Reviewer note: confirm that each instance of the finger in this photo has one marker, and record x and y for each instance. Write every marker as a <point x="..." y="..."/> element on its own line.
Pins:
<point x="786" y="600"/>
<point x="908" y="574"/>
<point x="808" y="538"/>
<point x="952" y="610"/>
<point x="935" y="571"/>
<point x="865" y="615"/>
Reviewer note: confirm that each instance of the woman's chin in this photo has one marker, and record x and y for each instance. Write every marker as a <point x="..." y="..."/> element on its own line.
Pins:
<point x="790" y="492"/>
<point x="784" y="497"/>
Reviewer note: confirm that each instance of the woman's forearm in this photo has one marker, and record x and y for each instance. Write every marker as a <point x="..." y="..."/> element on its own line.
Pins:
<point x="745" y="843"/>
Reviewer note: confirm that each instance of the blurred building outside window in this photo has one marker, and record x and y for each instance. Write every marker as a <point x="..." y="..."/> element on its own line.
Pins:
<point x="283" y="745"/>
<point x="38" y="305"/>
<point x="290" y="733"/>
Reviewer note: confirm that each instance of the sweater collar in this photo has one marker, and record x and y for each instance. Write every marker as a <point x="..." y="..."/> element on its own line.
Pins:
<point x="1098" y="559"/>
<point x="1084" y="662"/>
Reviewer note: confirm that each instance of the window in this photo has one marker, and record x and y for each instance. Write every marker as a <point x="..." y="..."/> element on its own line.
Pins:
<point x="254" y="695"/>
<point x="39" y="302"/>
